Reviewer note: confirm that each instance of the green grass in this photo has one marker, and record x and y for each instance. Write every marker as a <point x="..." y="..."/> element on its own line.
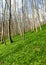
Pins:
<point x="31" y="51"/>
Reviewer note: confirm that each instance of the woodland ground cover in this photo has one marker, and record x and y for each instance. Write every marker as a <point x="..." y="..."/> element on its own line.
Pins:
<point x="31" y="51"/>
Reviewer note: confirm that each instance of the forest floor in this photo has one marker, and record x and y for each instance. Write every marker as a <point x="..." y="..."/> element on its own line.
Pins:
<point x="31" y="51"/>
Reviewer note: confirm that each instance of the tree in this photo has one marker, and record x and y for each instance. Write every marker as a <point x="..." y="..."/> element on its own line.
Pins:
<point x="2" y="35"/>
<point x="3" y="20"/>
<point x="10" y="24"/>
<point x="23" y="18"/>
<point x="43" y="9"/>
<point x="37" y="11"/>
<point x="33" y="19"/>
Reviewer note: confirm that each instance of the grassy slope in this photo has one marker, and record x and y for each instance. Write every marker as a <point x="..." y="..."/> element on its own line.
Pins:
<point x="32" y="51"/>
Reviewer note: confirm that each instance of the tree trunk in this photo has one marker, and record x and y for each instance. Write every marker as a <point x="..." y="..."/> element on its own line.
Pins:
<point x="10" y="24"/>
<point x="3" y="19"/>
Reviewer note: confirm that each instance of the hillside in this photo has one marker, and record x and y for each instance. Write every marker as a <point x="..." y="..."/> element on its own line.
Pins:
<point x="31" y="51"/>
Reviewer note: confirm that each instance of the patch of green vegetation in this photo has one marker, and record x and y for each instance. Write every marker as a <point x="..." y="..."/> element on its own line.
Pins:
<point x="31" y="51"/>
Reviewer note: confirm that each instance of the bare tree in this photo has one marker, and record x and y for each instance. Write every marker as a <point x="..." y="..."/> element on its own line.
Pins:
<point x="43" y="9"/>
<point x="23" y="18"/>
<point x="3" y="19"/>
<point x="10" y="24"/>
<point x="37" y="11"/>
